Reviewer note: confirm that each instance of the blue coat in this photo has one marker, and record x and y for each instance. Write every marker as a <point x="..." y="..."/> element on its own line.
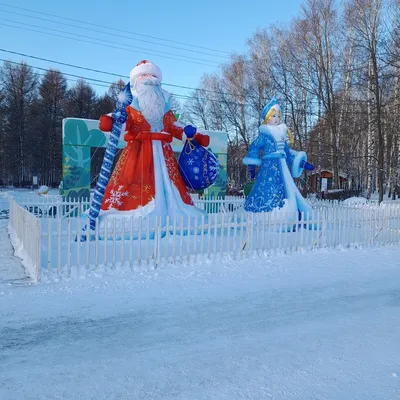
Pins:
<point x="274" y="188"/>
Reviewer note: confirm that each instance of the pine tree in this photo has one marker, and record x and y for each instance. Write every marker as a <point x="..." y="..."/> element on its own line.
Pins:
<point x="20" y="90"/>
<point x="51" y="110"/>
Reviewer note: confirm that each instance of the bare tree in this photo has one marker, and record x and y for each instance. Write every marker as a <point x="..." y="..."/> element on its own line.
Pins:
<point x="260" y="80"/>
<point x="234" y="97"/>
<point x="393" y="116"/>
<point x="364" y="16"/>
<point x="197" y="109"/>
<point x="337" y="82"/>
<point x="3" y="139"/>
<point x="323" y="45"/>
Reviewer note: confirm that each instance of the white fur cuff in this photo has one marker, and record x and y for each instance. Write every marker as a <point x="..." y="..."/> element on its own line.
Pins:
<point x="251" y="161"/>
<point x="296" y="170"/>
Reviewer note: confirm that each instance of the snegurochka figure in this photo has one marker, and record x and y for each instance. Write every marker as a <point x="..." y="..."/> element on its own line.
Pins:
<point x="274" y="189"/>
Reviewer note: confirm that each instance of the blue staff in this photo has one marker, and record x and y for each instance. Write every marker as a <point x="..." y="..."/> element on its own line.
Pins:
<point x="119" y="117"/>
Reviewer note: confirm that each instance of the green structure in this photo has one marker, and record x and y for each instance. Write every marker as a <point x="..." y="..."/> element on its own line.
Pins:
<point x="80" y="135"/>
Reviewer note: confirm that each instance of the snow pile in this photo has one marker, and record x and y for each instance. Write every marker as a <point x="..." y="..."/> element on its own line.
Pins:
<point x="355" y="201"/>
<point x="4" y="207"/>
<point x="42" y="190"/>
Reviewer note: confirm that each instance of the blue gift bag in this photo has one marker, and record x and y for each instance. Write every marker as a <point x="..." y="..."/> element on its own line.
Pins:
<point x="197" y="165"/>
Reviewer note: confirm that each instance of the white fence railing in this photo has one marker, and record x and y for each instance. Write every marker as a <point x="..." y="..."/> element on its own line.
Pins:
<point x="42" y="207"/>
<point x="224" y="231"/>
<point x="355" y="203"/>
<point x="56" y="206"/>
<point x="133" y="243"/>
<point x="26" y="238"/>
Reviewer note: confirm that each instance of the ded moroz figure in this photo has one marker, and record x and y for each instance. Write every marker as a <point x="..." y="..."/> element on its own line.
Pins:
<point x="147" y="179"/>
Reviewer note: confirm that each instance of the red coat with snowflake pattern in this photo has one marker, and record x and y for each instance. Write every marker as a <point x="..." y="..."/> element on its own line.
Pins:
<point x="132" y="183"/>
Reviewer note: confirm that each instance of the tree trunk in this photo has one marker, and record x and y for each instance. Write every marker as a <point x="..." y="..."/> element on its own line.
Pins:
<point x="370" y="141"/>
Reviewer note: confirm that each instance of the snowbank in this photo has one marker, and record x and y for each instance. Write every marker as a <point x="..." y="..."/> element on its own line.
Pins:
<point x="352" y="201"/>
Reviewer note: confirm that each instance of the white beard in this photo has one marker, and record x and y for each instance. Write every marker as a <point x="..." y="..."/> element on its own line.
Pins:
<point x="151" y="103"/>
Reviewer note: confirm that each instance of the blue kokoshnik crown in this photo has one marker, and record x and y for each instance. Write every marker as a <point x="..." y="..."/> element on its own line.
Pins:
<point x="268" y="107"/>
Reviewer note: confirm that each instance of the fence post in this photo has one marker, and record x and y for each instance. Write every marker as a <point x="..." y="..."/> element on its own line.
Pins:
<point x="157" y="233"/>
<point x="38" y="252"/>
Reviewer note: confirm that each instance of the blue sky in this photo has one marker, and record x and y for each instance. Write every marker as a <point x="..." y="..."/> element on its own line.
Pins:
<point x="214" y="24"/>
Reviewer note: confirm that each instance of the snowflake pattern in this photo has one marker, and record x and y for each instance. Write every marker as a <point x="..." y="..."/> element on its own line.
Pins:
<point x="269" y="190"/>
<point x="174" y="174"/>
<point x="116" y="197"/>
<point x="190" y="161"/>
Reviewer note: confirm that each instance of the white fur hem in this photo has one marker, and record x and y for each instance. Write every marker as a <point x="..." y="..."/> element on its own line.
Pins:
<point x="251" y="161"/>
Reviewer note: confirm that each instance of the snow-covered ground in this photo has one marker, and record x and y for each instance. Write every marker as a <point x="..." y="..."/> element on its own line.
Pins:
<point x="321" y="325"/>
<point x="386" y="199"/>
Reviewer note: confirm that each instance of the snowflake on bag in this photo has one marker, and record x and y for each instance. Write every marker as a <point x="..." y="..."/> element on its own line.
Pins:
<point x="213" y="167"/>
<point x="116" y="197"/>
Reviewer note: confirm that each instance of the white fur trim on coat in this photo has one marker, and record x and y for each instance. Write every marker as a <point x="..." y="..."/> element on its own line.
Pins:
<point x="296" y="170"/>
<point x="251" y="161"/>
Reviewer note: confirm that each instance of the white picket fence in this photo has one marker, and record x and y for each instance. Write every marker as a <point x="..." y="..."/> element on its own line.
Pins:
<point x="134" y="243"/>
<point x="26" y="236"/>
<point x="57" y="207"/>
<point x="318" y="203"/>
<point x="54" y="206"/>
<point x="223" y="232"/>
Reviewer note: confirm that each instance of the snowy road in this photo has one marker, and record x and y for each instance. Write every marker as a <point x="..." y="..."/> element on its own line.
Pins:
<point x="327" y="328"/>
